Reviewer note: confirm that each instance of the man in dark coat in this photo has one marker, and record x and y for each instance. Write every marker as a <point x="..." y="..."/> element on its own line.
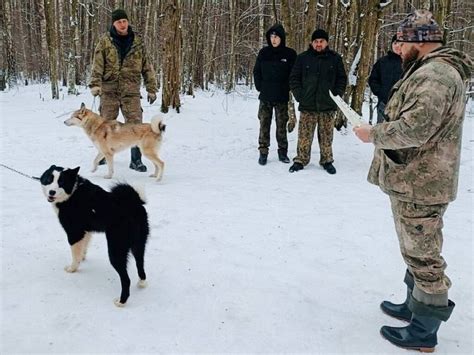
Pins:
<point x="316" y="71"/>
<point x="271" y="73"/>
<point x="385" y="73"/>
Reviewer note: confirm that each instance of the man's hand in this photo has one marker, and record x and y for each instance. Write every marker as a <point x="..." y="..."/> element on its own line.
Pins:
<point x="96" y="90"/>
<point x="363" y="132"/>
<point x="151" y="97"/>
<point x="291" y="124"/>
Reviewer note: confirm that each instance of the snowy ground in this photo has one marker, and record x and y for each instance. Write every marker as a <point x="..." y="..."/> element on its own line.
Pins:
<point x="242" y="258"/>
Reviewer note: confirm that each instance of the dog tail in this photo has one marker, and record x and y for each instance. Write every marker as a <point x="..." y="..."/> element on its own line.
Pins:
<point x="128" y="195"/>
<point x="156" y="125"/>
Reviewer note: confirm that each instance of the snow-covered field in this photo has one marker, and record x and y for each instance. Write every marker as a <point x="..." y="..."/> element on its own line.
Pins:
<point x="241" y="259"/>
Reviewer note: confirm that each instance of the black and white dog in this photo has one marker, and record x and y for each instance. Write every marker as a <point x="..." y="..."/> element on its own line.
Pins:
<point x="83" y="207"/>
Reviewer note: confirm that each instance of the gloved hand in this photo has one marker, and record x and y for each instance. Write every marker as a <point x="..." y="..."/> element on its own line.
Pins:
<point x="151" y="98"/>
<point x="340" y="121"/>
<point x="96" y="90"/>
<point x="291" y="124"/>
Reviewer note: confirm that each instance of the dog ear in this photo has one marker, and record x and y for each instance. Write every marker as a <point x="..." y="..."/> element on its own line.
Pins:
<point x="73" y="172"/>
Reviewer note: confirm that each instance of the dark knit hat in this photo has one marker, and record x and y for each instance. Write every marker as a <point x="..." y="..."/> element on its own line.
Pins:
<point x="394" y="39"/>
<point x="319" y="34"/>
<point x="119" y="14"/>
<point x="419" y="26"/>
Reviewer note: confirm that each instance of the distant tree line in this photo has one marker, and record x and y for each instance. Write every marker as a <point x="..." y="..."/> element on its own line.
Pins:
<point x="198" y="43"/>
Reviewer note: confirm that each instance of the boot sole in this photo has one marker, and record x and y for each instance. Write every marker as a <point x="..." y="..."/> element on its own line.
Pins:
<point x="418" y="348"/>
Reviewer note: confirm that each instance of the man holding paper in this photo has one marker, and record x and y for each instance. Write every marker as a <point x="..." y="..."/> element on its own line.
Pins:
<point x="416" y="162"/>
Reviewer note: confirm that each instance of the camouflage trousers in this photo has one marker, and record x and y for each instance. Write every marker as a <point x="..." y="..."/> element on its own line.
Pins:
<point x="306" y="127"/>
<point x="420" y="237"/>
<point x="265" y="112"/>
<point x="110" y="104"/>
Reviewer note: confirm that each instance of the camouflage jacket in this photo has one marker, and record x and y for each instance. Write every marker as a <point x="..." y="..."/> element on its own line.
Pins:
<point x="417" y="152"/>
<point x="123" y="78"/>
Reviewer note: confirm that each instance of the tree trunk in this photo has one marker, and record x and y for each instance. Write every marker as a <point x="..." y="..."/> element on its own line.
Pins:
<point x="52" y="49"/>
<point x="370" y="27"/>
<point x="310" y="15"/>
<point x="233" y="33"/>
<point x="171" y="56"/>
<point x="11" y="71"/>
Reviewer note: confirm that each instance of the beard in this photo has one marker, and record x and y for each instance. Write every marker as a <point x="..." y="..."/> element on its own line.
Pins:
<point x="409" y="58"/>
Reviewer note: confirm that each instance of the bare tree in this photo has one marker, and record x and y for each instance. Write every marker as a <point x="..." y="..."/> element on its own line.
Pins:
<point x="51" y="39"/>
<point x="171" y="56"/>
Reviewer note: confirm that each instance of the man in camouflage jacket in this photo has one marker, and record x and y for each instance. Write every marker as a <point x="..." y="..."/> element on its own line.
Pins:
<point x="120" y="62"/>
<point x="416" y="163"/>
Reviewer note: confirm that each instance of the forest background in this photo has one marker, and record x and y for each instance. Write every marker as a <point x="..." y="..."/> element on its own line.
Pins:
<point x="206" y="43"/>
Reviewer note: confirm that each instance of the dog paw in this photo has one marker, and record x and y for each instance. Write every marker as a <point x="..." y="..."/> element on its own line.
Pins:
<point x="93" y="170"/>
<point x="142" y="284"/>
<point x="118" y="303"/>
<point x="107" y="176"/>
<point x="70" y="268"/>
<point x="152" y="175"/>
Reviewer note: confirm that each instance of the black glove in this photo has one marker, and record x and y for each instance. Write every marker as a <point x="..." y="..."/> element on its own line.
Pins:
<point x="291" y="125"/>
<point x="151" y="98"/>
<point x="340" y="121"/>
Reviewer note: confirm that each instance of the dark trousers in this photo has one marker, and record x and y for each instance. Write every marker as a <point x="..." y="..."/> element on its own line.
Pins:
<point x="265" y="112"/>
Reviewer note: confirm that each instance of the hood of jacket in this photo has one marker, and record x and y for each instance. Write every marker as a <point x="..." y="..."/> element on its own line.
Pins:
<point x="278" y="28"/>
<point x="459" y="60"/>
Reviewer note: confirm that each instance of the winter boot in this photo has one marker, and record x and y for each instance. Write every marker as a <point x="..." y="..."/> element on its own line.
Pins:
<point x="329" y="168"/>
<point x="262" y="159"/>
<point x="136" y="161"/>
<point x="421" y="333"/>
<point x="400" y="311"/>
<point x="283" y="157"/>
<point x="296" y="167"/>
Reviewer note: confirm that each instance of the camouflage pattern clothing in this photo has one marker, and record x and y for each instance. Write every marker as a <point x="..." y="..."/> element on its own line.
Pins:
<point x="416" y="160"/>
<point x="120" y="79"/>
<point x="418" y="150"/>
<point x="421" y="240"/>
<point x="265" y="112"/>
<point x="307" y="125"/>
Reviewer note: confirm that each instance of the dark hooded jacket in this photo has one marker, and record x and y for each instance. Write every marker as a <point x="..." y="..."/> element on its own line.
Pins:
<point x="313" y="75"/>
<point x="385" y="73"/>
<point x="272" y="68"/>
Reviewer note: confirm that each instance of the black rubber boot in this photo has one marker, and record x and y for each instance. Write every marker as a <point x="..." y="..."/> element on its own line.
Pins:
<point x="421" y="333"/>
<point x="136" y="161"/>
<point x="329" y="168"/>
<point x="283" y="157"/>
<point x="400" y="311"/>
<point x="295" y="167"/>
<point x="262" y="159"/>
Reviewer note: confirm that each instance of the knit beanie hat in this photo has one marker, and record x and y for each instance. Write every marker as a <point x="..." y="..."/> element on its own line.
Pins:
<point x="319" y="34"/>
<point x="394" y="39"/>
<point x="419" y="26"/>
<point x="119" y="14"/>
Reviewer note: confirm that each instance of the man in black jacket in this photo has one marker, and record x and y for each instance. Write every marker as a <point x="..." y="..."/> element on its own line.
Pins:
<point x="271" y="72"/>
<point x="316" y="71"/>
<point x="385" y="73"/>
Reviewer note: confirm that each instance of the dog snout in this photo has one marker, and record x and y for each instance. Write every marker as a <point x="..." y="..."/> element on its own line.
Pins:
<point x="52" y="192"/>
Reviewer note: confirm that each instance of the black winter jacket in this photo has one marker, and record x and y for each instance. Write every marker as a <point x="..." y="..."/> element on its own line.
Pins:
<point x="385" y="73"/>
<point x="313" y="75"/>
<point x="272" y="69"/>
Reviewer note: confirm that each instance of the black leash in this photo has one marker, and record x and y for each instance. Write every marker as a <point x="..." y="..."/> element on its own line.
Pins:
<point x="18" y="172"/>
